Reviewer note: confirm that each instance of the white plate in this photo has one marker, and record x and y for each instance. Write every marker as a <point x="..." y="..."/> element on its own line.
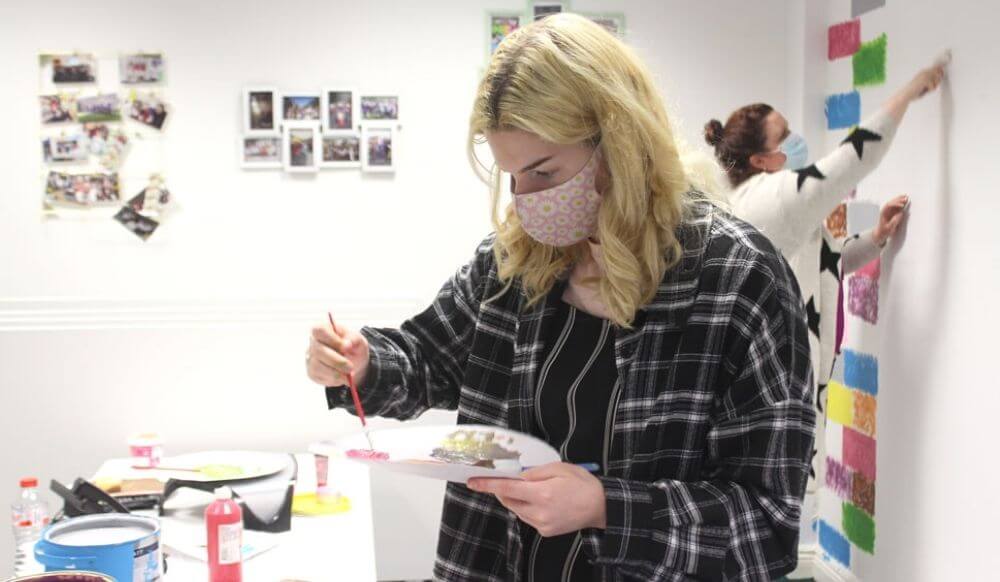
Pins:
<point x="410" y="449"/>
<point x="251" y="465"/>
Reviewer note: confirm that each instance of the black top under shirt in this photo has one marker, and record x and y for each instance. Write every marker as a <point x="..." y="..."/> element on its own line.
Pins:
<point x="572" y="411"/>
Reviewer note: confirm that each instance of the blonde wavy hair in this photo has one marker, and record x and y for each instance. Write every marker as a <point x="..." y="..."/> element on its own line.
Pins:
<point x="568" y="80"/>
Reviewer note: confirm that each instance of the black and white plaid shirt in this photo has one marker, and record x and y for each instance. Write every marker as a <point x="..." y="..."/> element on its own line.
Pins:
<point x="712" y="428"/>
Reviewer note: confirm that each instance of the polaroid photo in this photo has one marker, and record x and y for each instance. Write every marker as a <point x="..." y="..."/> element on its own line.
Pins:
<point x="262" y="151"/>
<point x="140" y="68"/>
<point x="540" y="10"/>
<point x="99" y="108"/>
<point x="73" y="68"/>
<point x="147" y="109"/>
<point x="57" y="109"/>
<point x="301" y="146"/>
<point x="377" y="149"/>
<point x="65" y="149"/>
<point x="339" y="109"/>
<point x="108" y="143"/>
<point x="260" y="111"/>
<point x="500" y="26"/>
<point x="380" y="107"/>
<point x="341" y="150"/>
<point x="612" y="22"/>
<point x="139" y="225"/>
<point x="82" y="189"/>
<point x="301" y="106"/>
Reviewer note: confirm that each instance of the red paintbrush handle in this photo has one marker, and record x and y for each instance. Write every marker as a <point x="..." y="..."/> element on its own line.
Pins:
<point x="350" y="383"/>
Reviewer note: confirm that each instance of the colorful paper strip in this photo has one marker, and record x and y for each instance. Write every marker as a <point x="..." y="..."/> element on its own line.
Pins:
<point x="859" y="7"/>
<point x="863" y="493"/>
<point x="859" y="527"/>
<point x="861" y="371"/>
<point x="844" y="39"/>
<point x="843" y="110"/>
<point x="834" y="544"/>
<point x="869" y="62"/>
<point x="859" y="452"/>
<point x="862" y="298"/>
<point x="865" y="409"/>
<point x="839" y="479"/>
<point x="839" y="404"/>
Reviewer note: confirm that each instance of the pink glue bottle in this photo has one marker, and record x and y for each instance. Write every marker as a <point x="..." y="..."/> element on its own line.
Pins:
<point x="224" y="520"/>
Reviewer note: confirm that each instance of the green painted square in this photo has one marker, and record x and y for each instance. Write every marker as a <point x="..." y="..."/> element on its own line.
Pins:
<point x="859" y="528"/>
<point x="869" y="62"/>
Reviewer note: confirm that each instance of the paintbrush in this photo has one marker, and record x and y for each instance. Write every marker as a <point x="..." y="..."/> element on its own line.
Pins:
<point x="354" y="395"/>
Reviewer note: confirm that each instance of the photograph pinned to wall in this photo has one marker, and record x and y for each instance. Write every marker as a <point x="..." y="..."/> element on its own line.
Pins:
<point x="300" y="106"/>
<point x="141" y="68"/>
<point x="539" y="10"/>
<point x="377" y="144"/>
<point x="501" y="24"/>
<point x="78" y="68"/>
<point x="260" y="151"/>
<point x="301" y="146"/>
<point x="341" y="150"/>
<point x="339" y="106"/>
<point x="259" y="110"/>
<point x="57" y="108"/>
<point x="139" y="225"/>
<point x="153" y="200"/>
<point x="65" y="149"/>
<point x="147" y="109"/>
<point x="98" y="108"/>
<point x="380" y="107"/>
<point x="612" y="22"/>
<point x="81" y="190"/>
<point x="107" y="143"/>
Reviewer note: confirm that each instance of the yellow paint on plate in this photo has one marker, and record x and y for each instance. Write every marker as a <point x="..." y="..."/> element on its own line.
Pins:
<point x="311" y="504"/>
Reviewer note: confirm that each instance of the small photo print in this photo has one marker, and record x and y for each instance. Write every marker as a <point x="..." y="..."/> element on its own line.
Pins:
<point x="261" y="152"/>
<point x="57" y="109"/>
<point x="377" y="155"/>
<point x="74" y="69"/>
<point x="540" y="10"/>
<point x="148" y="110"/>
<point x="339" y="110"/>
<point x="139" y="225"/>
<point x="341" y="151"/>
<point x="66" y="149"/>
<point x="300" y="107"/>
<point x="151" y="200"/>
<point x="104" y="107"/>
<point x="82" y="189"/>
<point x="301" y="145"/>
<point x="107" y="143"/>
<point x="259" y="106"/>
<point x="500" y="27"/>
<point x="141" y="68"/>
<point x="380" y="108"/>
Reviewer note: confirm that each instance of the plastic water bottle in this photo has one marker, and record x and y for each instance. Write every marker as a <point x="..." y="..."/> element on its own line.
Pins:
<point x="224" y="522"/>
<point x="29" y="516"/>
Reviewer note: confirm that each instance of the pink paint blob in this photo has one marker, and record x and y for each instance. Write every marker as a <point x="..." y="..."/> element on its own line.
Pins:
<point x="367" y="455"/>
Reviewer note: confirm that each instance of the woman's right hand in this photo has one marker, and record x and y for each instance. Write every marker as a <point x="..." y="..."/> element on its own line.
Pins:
<point x="333" y="353"/>
<point x="927" y="80"/>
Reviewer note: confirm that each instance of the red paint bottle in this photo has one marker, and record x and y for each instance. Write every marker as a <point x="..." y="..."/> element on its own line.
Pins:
<point x="224" y="520"/>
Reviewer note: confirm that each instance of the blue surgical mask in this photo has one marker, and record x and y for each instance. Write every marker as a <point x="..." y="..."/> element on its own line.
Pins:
<point x="796" y="151"/>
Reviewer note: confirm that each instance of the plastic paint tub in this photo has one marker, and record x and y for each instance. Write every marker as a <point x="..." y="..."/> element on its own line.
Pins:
<point x="65" y="576"/>
<point x="125" y="547"/>
<point x="146" y="450"/>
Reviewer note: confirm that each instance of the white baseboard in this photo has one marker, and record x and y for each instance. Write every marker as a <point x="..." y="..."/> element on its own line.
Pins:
<point x="813" y="565"/>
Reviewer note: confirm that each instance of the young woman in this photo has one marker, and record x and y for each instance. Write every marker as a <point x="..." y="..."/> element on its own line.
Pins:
<point x="617" y="315"/>
<point x="776" y="191"/>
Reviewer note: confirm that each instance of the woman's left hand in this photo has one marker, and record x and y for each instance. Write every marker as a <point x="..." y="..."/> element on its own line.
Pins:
<point x="890" y="218"/>
<point x="555" y="499"/>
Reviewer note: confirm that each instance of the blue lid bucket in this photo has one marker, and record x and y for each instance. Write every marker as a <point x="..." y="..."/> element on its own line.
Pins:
<point x="125" y="547"/>
<point x="64" y="576"/>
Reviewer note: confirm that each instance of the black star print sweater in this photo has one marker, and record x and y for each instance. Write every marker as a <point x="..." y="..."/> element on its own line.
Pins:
<point x="790" y="208"/>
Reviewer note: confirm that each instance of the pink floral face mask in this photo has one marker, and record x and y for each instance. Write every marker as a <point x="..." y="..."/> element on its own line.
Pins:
<point x="565" y="214"/>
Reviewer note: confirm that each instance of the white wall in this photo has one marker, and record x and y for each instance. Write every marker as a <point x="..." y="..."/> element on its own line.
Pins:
<point x="101" y="335"/>
<point x="938" y="398"/>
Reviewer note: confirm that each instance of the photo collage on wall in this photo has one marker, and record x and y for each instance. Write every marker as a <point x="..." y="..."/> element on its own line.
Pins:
<point x="99" y="114"/>
<point x="306" y="131"/>
<point x="501" y="24"/>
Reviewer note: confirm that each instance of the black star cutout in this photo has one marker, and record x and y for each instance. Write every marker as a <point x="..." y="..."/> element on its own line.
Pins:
<point x="813" y="316"/>
<point x="858" y="138"/>
<point x="829" y="260"/>
<point x="808" y="172"/>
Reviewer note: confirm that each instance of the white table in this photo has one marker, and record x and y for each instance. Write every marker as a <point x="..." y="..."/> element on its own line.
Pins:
<point x="335" y="547"/>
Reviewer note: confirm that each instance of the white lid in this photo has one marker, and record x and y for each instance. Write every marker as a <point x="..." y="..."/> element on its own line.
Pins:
<point x="223" y="492"/>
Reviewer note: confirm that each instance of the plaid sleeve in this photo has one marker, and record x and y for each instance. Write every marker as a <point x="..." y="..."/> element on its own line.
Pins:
<point x="742" y="521"/>
<point x="420" y="365"/>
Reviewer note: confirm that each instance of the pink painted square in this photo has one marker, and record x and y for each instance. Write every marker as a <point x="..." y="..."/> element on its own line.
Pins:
<point x="859" y="453"/>
<point x="844" y="38"/>
<point x="862" y="298"/>
<point x="839" y="478"/>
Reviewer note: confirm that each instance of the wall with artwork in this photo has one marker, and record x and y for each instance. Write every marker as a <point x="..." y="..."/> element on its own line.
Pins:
<point x="912" y="399"/>
<point x="216" y="303"/>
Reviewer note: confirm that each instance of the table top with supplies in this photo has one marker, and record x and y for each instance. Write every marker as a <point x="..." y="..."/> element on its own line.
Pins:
<point x="317" y="548"/>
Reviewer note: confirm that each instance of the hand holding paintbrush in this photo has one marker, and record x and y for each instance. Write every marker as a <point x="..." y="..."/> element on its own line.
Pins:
<point x="339" y="357"/>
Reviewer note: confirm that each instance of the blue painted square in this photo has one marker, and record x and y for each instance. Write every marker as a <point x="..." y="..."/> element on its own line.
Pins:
<point x="834" y="544"/>
<point x="843" y="110"/>
<point x="861" y="372"/>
